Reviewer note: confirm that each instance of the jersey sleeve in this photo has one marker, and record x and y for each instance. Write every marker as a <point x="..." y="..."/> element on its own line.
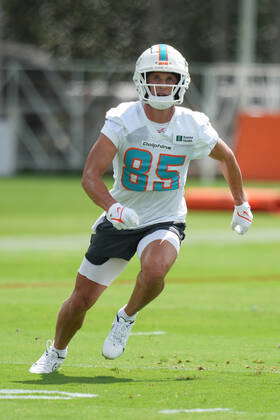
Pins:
<point x="206" y="140"/>
<point x="113" y="131"/>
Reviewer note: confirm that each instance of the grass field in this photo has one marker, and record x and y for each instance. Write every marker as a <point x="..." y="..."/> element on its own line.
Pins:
<point x="207" y="348"/>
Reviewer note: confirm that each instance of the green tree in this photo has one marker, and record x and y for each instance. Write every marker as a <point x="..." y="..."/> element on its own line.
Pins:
<point x="118" y="31"/>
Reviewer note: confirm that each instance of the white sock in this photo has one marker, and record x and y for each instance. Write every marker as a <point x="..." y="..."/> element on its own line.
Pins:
<point x="124" y="315"/>
<point x="61" y="353"/>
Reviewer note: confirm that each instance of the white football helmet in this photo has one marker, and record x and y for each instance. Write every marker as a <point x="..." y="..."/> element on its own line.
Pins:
<point x="161" y="58"/>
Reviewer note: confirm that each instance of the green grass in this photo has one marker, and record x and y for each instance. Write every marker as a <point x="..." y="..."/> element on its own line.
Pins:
<point x="219" y="312"/>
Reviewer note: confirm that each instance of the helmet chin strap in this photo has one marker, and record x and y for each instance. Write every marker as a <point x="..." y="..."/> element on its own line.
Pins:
<point x="160" y="107"/>
<point x="160" y="103"/>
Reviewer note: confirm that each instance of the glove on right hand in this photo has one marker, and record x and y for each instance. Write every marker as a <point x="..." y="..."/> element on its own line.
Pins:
<point x="242" y="218"/>
<point x="122" y="217"/>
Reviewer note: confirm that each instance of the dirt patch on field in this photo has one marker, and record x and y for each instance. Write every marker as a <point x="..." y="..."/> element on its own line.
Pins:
<point x="33" y="285"/>
<point x="224" y="279"/>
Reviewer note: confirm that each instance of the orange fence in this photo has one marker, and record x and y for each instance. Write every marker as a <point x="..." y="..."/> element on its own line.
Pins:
<point x="257" y="148"/>
<point x="257" y="145"/>
<point x="260" y="199"/>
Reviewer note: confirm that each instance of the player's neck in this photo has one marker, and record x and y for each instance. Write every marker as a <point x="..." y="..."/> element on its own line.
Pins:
<point x="159" y="116"/>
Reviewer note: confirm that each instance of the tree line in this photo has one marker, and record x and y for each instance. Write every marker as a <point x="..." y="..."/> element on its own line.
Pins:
<point x="119" y="30"/>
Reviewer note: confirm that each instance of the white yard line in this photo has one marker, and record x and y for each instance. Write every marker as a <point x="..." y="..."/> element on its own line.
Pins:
<point x="148" y="333"/>
<point x="32" y="397"/>
<point x="80" y="242"/>
<point x="44" y="242"/>
<point x="25" y="394"/>
<point x="213" y="410"/>
<point x="217" y="237"/>
<point x="34" y="394"/>
<point x="194" y="410"/>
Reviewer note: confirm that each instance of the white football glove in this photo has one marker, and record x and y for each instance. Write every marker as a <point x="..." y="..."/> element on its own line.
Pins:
<point x="242" y="218"/>
<point x="122" y="217"/>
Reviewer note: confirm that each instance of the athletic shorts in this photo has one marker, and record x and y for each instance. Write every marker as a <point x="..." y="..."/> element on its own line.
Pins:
<point x="109" y="242"/>
<point x="110" y="249"/>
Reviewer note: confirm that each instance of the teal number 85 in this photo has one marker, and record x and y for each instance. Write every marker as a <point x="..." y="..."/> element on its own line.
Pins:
<point x="137" y="164"/>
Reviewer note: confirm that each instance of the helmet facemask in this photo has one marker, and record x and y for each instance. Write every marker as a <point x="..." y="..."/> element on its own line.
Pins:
<point x="148" y="91"/>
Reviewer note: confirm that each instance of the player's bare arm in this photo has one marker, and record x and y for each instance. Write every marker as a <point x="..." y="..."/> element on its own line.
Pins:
<point x="230" y="169"/>
<point x="242" y="216"/>
<point x="99" y="159"/>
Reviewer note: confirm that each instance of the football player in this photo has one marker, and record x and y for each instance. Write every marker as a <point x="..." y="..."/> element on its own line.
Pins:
<point x="150" y="143"/>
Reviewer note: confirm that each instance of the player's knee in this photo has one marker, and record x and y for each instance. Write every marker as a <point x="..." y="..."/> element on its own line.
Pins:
<point x="154" y="272"/>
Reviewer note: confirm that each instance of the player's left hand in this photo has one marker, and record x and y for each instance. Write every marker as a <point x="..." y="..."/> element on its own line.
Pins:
<point x="242" y="218"/>
<point x="122" y="217"/>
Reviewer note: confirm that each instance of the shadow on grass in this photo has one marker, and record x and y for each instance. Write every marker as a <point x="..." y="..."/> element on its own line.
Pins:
<point x="58" y="378"/>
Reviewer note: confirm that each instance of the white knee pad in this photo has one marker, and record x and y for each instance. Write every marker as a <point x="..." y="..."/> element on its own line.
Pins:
<point x="161" y="234"/>
<point x="105" y="273"/>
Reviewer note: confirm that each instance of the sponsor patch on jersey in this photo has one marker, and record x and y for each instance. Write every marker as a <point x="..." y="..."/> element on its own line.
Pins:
<point x="154" y="145"/>
<point x="183" y="139"/>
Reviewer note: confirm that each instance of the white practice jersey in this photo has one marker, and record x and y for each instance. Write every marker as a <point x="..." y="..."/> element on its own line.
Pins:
<point x="151" y="165"/>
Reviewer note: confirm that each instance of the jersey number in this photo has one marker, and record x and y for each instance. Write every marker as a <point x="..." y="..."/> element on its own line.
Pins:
<point x="137" y="165"/>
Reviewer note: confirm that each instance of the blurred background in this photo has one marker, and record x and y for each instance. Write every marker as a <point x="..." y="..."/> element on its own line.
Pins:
<point x="63" y="64"/>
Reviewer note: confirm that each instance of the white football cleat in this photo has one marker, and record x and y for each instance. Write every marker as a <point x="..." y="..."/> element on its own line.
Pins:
<point x="49" y="362"/>
<point x="116" y="340"/>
